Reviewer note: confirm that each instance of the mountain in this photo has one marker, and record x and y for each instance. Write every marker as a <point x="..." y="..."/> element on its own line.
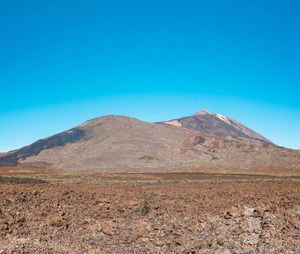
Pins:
<point x="118" y="143"/>
<point x="223" y="126"/>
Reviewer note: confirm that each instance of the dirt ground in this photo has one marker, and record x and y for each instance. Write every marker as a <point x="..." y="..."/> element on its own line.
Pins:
<point x="149" y="213"/>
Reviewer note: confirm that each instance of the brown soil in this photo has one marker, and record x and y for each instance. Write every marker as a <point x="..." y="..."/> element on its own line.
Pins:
<point x="137" y="217"/>
<point x="24" y="170"/>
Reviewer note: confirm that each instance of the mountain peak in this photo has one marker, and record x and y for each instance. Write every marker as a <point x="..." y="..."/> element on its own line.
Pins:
<point x="203" y="112"/>
<point x="207" y="122"/>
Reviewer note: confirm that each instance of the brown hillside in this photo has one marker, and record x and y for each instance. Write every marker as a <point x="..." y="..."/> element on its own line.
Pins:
<point x="117" y="143"/>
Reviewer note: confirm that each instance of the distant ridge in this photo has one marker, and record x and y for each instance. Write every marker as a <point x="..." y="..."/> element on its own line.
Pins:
<point x="204" y="142"/>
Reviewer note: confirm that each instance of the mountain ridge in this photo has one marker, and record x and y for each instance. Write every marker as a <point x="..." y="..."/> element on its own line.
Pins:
<point x="119" y="143"/>
<point x="207" y="122"/>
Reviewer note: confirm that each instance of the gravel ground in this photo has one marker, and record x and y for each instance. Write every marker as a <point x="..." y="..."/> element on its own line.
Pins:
<point x="257" y="217"/>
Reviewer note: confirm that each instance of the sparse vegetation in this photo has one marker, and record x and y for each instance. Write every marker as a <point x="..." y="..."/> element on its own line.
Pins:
<point x="149" y="218"/>
<point x="144" y="207"/>
<point x="20" y="180"/>
<point x="297" y="211"/>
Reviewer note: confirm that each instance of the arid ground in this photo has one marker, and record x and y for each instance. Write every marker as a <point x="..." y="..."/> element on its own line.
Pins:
<point x="46" y="212"/>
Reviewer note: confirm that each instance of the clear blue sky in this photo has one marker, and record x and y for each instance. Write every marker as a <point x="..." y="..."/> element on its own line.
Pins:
<point x="63" y="62"/>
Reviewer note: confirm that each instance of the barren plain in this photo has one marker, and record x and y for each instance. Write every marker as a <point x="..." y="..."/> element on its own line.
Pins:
<point x="43" y="211"/>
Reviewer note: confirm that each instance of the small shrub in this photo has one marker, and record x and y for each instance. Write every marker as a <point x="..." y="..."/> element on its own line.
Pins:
<point x="144" y="207"/>
<point x="297" y="211"/>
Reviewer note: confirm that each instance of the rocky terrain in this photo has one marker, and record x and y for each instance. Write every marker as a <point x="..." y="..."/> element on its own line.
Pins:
<point x="124" y="144"/>
<point x="37" y="216"/>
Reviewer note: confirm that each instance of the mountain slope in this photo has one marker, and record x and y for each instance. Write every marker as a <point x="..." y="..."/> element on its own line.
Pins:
<point x="105" y="142"/>
<point x="70" y="136"/>
<point x="207" y="122"/>
<point x="117" y="143"/>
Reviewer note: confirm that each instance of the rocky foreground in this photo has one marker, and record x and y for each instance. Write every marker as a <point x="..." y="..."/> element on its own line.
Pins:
<point x="261" y="217"/>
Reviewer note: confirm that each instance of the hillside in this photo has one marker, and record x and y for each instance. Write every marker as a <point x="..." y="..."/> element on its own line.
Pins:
<point x="118" y="143"/>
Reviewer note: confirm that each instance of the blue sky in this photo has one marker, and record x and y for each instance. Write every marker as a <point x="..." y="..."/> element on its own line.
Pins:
<point x="63" y="62"/>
